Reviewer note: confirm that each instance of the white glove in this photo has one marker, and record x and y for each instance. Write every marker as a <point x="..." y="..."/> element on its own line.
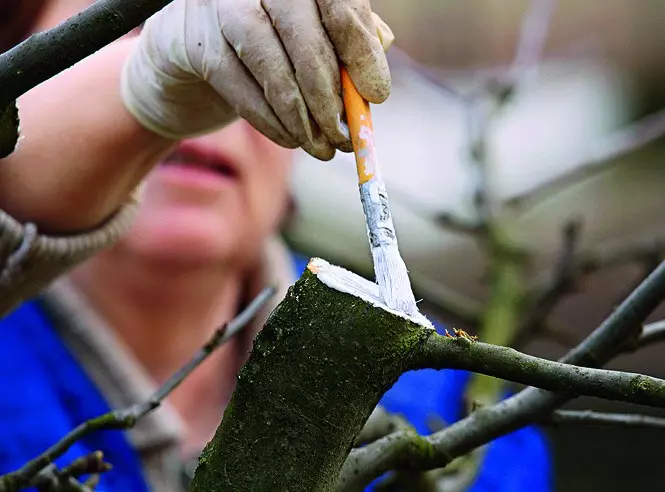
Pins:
<point x="199" y="64"/>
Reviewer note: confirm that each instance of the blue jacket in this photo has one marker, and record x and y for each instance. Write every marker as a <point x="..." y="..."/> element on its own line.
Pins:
<point x="46" y="394"/>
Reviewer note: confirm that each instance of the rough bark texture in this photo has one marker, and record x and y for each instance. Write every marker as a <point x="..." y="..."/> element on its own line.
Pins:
<point x="295" y="413"/>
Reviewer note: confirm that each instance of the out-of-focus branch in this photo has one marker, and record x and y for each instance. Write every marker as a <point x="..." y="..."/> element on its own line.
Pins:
<point x="562" y="282"/>
<point x="651" y="334"/>
<point x="646" y="250"/>
<point x="599" y="157"/>
<point x="66" y="479"/>
<point x="127" y="418"/>
<point x="406" y="450"/>
<point x="532" y="38"/>
<point x="554" y="334"/>
<point x="396" y="55"/>
<point x="591" y="418"/>
<point x="379" y="424"/>
<point x="634" y="250"/>
<point x="501" y="318"/>
<point x="451" y="222"/>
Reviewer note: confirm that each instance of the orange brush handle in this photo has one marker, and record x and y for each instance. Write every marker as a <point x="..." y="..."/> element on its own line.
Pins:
<point x="359" y="119"/>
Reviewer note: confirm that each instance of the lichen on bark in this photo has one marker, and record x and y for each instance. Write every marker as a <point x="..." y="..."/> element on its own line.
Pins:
<point x="317" y="370"/>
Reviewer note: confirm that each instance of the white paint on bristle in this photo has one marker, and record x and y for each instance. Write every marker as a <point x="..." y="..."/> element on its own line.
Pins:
<point x="343" y="280"/>
<point x="392" y="278"/>
<point x="390" y="270"/>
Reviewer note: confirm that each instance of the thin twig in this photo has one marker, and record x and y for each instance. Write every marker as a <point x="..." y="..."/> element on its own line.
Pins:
<point x="651" y="334"/>
<point x="48" y="53"/>
<point x="50" y="479"/>
<point x="478" y="118"/>
<point x="533" y="34"/>
<point x="588" y="417"/>
<point x="599" y="157"/>
<point x="127" y="418"/>
<point x="428" y="74"/>
<point x="406" y="450"/>
<point x="554" y="334"/>
<point x="563" y="281"/>
<point x="221" y="336"/>
<point x="456" y="224"/>
<point x="379" y="424"/>
<point x="649" y="247"/>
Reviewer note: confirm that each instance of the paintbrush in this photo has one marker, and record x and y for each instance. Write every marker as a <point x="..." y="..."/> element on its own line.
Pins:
<point x="389" y="268"/>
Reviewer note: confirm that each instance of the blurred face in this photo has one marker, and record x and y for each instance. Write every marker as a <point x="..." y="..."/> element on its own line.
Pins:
<point x="217" y="198"/>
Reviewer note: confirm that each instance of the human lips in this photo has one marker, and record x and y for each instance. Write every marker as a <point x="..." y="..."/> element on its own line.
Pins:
<point x="196" y="160"/>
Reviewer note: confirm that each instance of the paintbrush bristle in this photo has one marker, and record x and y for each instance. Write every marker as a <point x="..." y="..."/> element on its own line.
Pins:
<point x="393" y="279"/>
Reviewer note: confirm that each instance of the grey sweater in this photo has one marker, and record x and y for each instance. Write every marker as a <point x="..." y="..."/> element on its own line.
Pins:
<point x="29" y="260"/>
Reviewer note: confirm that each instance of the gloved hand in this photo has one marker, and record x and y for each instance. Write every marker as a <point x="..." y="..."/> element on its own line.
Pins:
<point x="199" y="64"/>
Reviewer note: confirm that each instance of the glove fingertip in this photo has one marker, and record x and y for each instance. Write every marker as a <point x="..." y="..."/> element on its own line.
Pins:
<point x="374" y="85"/>
<point x="320" y="152"/>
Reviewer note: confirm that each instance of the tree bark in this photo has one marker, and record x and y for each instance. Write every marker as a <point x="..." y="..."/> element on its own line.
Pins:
<point x="329" y="352"/>
<point x="318" y="369"/>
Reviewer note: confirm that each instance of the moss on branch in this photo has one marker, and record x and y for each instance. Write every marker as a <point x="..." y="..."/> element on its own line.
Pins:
<point x="317" y="370"/>
<point x="320" y="366"/>
<point x="509" y="364"/>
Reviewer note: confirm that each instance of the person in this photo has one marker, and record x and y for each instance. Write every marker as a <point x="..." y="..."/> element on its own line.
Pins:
<point x="202" y="242"/>
<point x="196" y="67"/>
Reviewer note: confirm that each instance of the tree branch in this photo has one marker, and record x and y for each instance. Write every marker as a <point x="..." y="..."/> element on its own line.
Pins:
<point x="50" y="479"/>
<point x="652" y="333"/>
<point x="562" y="282"/>
<point x="588" y="417"/>
<point x="600" y="157"/>
<point x="127" y="418"/>
<point x="634" y="250"/>
<point x="532" y="38"/>
<point x="440" y="352"/>
<point x="528" y="406"/>
<point x="379" y="424"/>
<point x="48" y="53"/>
<point x="318" y="368"/>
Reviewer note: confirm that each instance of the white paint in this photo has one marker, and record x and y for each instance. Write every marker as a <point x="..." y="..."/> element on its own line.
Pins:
<point x="393" y="280"/>
<point x="368" y="152"/>
<point x="343" y="127"/>
<point x="343" y="280"/>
